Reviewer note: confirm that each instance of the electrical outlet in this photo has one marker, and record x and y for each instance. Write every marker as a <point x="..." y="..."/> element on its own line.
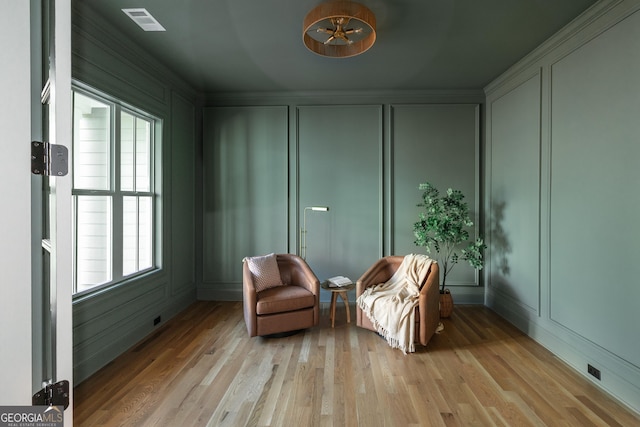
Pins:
<point x="593" y="371"/>
<point x="156" y="320"/>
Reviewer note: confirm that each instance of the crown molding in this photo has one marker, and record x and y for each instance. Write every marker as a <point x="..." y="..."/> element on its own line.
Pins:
<point x="583" y="28"/>
<point x="345" y="97"/>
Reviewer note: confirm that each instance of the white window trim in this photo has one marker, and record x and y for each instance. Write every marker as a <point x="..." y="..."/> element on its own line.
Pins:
<point x="116" y="107"/>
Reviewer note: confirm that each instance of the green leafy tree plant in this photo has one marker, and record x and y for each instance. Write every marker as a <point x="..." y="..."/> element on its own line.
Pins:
<point x="444" y="226"/>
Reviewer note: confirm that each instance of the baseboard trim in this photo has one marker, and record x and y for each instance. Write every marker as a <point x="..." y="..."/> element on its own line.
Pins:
<point x="619" y="378"/>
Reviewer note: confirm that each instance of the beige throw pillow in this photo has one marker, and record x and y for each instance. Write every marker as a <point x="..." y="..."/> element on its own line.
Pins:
<point x="265" y="272"/>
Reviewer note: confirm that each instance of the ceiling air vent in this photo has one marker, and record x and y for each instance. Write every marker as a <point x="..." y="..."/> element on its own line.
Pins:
<point x="144" y="19"/>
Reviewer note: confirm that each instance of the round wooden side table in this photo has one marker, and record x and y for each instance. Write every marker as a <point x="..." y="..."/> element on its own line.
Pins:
<point x="340" y="291"/>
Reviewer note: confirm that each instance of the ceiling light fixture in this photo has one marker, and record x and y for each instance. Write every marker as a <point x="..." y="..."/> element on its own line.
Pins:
<point x="339" y="29"/>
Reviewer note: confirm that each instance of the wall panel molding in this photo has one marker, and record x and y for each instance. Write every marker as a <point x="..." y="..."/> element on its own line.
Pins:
<point x="182" y="163"/>
<point x="340" y="165"/>
<point x="245" y="188"/>
<point x="579" y="30"/>
<point x="439" y="143"/>
<point x="587" y="100"/>
<point x="339" y="154"/>
<point x="594" y="174"/>
<point x="513" y="215"/>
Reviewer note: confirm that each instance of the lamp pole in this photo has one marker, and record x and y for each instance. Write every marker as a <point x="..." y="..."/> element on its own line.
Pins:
<point x="303" y="229"/>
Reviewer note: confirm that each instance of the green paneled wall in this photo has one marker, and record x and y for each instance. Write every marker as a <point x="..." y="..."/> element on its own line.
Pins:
<point x="514" y="212"/>
<point x="245" y="192"/>
<point x="595" y="202"/>
<point x="437" y="144"/>
<point x="562" y="155"/>
<point x="183" y="191"/>
<point x="340" y="166"/>
<point x="262" y="162"/>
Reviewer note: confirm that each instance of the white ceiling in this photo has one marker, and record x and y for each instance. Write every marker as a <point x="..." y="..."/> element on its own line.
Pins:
<point x="256" y="45"/>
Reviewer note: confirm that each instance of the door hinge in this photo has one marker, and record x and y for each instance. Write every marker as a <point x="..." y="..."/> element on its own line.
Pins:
<point x="49" y="159"/>
<point x="53" y="395"/>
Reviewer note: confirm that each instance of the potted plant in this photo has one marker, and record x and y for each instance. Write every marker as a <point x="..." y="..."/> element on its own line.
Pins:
<point x="444" y="226"/>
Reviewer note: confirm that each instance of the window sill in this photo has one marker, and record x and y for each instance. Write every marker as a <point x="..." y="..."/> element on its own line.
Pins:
<point x="99" y="290"/>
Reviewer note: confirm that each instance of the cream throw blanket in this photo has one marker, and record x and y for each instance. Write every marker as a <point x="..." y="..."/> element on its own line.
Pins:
<point x="391" y="305"/>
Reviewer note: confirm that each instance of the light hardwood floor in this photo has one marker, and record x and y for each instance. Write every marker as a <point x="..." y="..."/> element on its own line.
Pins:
<point x="201" y="368"/>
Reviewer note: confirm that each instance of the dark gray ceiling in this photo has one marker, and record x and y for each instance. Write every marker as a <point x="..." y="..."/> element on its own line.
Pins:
<point x="256" y="45"/>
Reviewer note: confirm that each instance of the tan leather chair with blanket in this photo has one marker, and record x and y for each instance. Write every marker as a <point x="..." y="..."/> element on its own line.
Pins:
<point x="427" y="312"/>
<point x="280" y="294"/>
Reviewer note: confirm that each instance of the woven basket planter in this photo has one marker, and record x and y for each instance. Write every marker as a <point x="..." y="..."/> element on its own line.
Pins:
<point x="446" y="303"/>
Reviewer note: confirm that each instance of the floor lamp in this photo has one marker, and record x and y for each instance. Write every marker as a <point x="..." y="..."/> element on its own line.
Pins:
<point x="303" y="230"/>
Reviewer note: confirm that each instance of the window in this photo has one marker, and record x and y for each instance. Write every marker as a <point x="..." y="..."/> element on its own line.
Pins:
<point x="113" y="192"/>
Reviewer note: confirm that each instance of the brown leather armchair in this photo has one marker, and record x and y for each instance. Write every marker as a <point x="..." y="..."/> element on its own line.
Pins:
<point x="287" y="308"/>
<point x="427" y="311"/>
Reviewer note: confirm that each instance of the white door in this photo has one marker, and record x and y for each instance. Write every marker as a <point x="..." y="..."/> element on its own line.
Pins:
<point x="15" y="215"/>
<point x="22" y="357"/>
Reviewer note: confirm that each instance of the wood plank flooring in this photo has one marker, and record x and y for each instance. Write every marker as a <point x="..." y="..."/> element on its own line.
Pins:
<point x="201" y="369"/>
